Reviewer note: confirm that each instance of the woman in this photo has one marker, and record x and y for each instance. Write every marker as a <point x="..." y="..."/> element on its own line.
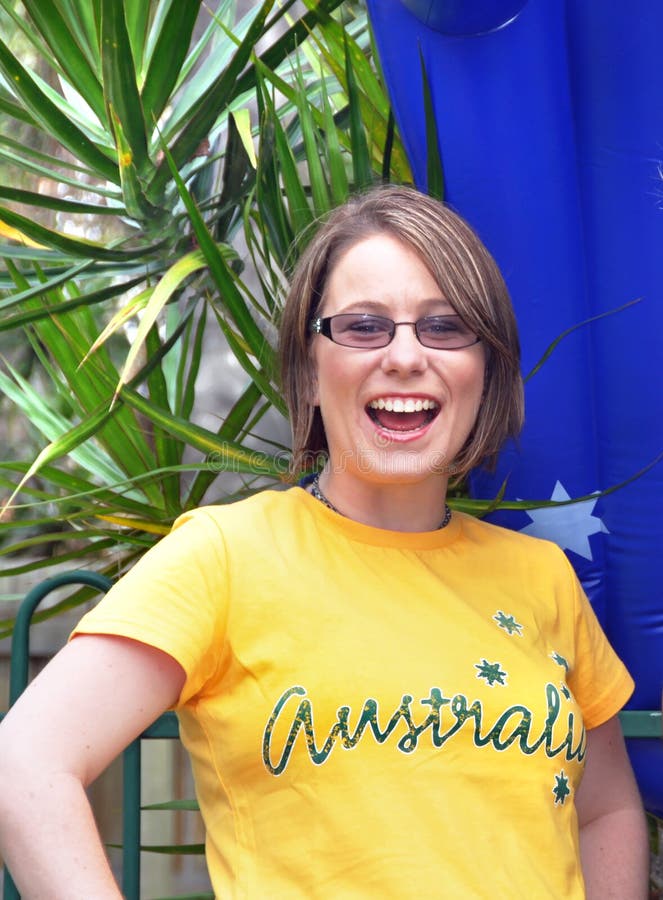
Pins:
<point x="380" y="698"/>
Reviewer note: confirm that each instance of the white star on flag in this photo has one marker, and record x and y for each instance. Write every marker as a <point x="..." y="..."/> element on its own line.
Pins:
<point x="568" y="526"/>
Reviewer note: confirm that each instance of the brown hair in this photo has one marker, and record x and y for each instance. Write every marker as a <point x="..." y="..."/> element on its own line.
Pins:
<point x="468" y="278"/>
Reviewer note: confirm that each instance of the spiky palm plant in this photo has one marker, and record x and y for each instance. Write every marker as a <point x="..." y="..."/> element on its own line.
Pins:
<point x="181" y="138"/>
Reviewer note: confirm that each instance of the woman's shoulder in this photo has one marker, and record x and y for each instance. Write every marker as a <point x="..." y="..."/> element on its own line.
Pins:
<point x="499" y="538"/>
<point x="539" y="564"/>
<point x="249" y="511"/>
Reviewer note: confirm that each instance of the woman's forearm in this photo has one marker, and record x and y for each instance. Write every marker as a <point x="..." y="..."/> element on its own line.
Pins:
<point x="614" y="851"/>
<point x="614" y="846"/>
<point x="89" y="703"/>
<point x="49" y="838"/>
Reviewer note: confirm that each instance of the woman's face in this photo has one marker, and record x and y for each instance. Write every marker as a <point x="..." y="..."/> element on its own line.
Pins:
<point x="438" y="391"/>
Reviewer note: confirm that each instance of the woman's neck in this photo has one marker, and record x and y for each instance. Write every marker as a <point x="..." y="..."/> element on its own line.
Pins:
<point x="389" y="504"/>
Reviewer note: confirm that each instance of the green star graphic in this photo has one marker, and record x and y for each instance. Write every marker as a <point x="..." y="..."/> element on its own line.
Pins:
<point x="508" y="623"/>
<point x="491" y="672"/>
<point x="560" y="660"/>
<point x="561" y="790"/>
<point x="563" y="688"/>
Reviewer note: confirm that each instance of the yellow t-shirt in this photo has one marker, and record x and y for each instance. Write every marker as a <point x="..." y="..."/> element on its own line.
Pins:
<point x="374" y="713"/>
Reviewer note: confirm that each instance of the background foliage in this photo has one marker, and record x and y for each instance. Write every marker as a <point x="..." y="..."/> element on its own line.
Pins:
<point x="161" y="159"/>
<point x="157" y="162"/>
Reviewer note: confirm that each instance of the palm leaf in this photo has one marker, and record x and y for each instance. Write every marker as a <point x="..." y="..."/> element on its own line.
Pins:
<point x="73" y="247"/>
<point x="227" y="455"/>
<point x="51" y="119"/>
<point x="221" y="273"/>
<point x="119" y="83"/>
<point x="167" y="57"/>
<point x="66" y="48"/>
<point x="203" y="112"/>
<point x="45" y="201"/>
<point x="434" y="171"/>
<point x="361" y="165"/>
<point x="162" y="294"/>
<point x="554" y="344"/>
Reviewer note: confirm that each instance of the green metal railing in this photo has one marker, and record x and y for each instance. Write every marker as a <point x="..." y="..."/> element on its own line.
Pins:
<point x="641" y="723"/>
<point x="165" y="727"/>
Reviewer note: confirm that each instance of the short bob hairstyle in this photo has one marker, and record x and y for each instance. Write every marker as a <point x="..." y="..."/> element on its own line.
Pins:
<point x="468" y="278"/>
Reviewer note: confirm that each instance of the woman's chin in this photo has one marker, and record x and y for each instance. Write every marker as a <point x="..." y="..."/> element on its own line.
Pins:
<point x="416" y="467"/>
<point x="395" y="464"/>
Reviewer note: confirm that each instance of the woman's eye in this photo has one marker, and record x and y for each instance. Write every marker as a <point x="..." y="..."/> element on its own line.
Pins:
<point x="442" y="326"/>
<point x="366" y="327"/>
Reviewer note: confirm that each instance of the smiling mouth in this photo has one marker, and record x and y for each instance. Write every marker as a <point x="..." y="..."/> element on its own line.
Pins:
<point x="402" y="413"/>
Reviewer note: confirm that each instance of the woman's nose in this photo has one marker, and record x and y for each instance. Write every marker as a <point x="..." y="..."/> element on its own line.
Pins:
<point x="404" y="353"/>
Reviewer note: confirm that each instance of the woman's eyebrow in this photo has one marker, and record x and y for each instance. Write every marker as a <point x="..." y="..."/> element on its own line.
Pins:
<point x="379" y="307"/>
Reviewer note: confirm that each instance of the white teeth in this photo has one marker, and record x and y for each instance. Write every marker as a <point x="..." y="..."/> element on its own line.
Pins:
<point x="399" y="405"/>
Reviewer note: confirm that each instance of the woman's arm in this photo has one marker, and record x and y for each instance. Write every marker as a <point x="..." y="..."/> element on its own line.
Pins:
<point x="92" y="700"/>
<point x="613" y="834"/>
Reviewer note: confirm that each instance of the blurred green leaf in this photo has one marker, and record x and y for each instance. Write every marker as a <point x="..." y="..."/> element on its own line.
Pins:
<point x="190" y="805"/>
<point x="434" y="171"/>
<point x="51" y="119"/>
<point x="554" y="344"/>
<point x="73" y="247"/>
<point x="53" y="29"/>
<point x="203" y="111"/>
<point x="173" y="37"/>
<point x="119" y="84"/>
<point x="360" y="159"/>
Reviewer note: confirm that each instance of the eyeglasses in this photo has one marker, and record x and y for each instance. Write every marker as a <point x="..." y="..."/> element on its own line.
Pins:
<point x="370" y="332"/>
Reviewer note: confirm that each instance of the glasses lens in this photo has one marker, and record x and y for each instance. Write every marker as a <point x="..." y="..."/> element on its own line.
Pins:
<point x="357" y="330"/>
<point x="445" y="332"/>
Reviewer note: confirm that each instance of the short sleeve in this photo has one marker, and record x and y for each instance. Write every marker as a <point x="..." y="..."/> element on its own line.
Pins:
<point x="174" y="599"/>
<point x="599" y="679"/>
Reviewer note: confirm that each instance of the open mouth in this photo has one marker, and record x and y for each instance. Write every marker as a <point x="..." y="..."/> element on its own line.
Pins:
<point x="402" y="413"/>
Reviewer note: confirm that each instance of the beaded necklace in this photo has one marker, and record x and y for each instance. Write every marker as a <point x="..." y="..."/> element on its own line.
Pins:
<point x="317" y="493"/>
